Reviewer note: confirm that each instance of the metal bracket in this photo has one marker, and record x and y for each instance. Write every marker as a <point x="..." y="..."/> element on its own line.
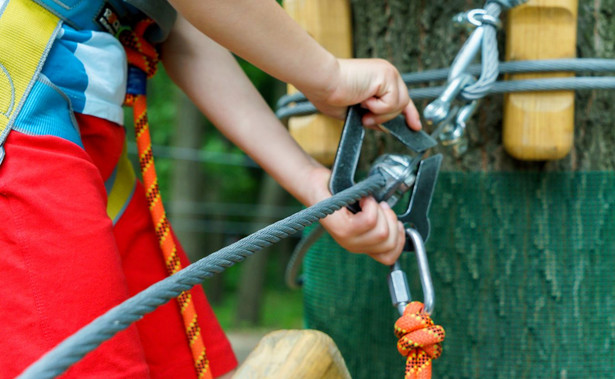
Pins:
<point x="417" y="215"/>
<point x="399" y="173"/>
<point x="351" y="141"/>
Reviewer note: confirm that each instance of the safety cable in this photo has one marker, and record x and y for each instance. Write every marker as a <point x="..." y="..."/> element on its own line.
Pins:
<point x="75" y="347"/>
<point x="291" y="275"/>
<point x="297" y="105"/>
<point x="529" y="85"/>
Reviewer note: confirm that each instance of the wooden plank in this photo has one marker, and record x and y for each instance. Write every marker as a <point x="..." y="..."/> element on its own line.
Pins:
<point x="540" y="125"/>
<point x="329" y="22"/>
<point x="297" y="354"/>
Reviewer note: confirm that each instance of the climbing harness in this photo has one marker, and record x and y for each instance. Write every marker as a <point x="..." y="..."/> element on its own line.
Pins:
<point x="143" y="60"/>
<point x="35" y="25"/>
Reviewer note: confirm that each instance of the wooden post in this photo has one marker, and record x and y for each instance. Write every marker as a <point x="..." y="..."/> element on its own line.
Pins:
<point x="540" y="125"/>
<point x="329" y="22"/>
<point x="297" y="354"/>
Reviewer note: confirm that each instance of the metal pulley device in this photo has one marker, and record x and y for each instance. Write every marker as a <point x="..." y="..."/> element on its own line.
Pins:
<point x="402" y="173"/>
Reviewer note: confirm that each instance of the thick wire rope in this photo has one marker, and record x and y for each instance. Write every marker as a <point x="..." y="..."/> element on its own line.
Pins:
<point x="499" y="87"/>
<point x="291" y="275"/>
<point x="75" y="347"/>
<point x="576" y="65"/>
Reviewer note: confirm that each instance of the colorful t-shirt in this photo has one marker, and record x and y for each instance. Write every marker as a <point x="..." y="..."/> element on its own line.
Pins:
<point x="85" y="72"/>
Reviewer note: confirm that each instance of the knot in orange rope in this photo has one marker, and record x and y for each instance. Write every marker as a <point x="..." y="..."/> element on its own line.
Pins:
<point x="419" y="340"/>
<point x="139" y="52"/>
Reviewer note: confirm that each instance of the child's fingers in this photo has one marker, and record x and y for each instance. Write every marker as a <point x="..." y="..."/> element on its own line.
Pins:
<point x="391" y="256"/>
<point x="413" y="118"/>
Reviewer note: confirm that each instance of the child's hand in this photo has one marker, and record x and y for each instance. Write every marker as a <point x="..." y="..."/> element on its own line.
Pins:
<point x="375" y="84"/>
<point x="374" y="230"/>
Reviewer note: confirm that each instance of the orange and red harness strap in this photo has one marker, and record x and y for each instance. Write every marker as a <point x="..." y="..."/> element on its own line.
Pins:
<point x="144" y="57"/>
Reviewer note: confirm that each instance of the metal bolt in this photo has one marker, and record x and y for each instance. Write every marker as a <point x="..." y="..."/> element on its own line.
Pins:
<point x="398" y="173"/>
<point x="454" y="134"/>
<point x="438" y="110"/>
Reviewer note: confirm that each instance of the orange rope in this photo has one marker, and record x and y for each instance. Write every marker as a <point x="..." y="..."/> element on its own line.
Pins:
<point x="419" y="340"/>
<point x="144" y="56"/>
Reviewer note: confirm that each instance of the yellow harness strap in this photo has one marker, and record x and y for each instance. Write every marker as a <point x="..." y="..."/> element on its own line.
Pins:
<point x="122" y="189"/>
<point x="27" y="32"/>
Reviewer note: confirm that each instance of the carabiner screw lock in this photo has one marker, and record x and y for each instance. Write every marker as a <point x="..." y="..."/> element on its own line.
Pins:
<point x="398" y="284"/>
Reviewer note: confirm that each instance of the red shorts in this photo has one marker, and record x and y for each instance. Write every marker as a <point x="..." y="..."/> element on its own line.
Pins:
<point x="63" y="262"/>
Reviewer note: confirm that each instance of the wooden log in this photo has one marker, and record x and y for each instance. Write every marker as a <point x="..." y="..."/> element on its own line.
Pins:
<point x="296" y="354"/>
<point x="329" y="22"/>
<point x="540" y="125"/>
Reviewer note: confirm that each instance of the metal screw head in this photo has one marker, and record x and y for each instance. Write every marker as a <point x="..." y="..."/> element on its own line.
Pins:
<point x="398" y="173"/>
<point x="436" y="112"/>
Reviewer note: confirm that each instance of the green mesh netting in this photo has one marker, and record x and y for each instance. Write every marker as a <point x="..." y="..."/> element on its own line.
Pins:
<point x="524" y="272"/>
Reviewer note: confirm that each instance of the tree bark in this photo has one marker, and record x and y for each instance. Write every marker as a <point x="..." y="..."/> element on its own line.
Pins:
<point x="518" y="251"/>
<point x="419" y="35"/>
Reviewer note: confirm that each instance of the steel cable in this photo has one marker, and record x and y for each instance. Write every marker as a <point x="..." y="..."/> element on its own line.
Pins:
<point x="489" y="57"/>
<point x="527" y="85"/>
<point x="532" y="66"/>
<point x="75" y="347"/>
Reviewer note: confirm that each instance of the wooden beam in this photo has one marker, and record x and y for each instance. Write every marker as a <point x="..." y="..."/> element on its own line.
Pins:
<point x="540" y="125"/>
<point x="297" y="354"/>
<point x="329" y="22"/>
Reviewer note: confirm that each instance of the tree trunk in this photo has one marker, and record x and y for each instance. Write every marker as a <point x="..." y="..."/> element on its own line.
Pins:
<point x="188" y="188"/>
<point x="254" y="269"/>
<point x="187" y="177"/>
<point x="520" y="253"/>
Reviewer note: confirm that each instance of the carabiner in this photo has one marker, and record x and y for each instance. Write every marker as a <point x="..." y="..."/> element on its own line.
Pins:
<point x="398" y="284"/>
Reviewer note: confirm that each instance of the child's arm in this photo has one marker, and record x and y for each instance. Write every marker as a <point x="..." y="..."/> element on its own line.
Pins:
<point x="212" y="78"/>
<point x="261" y="32"/>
